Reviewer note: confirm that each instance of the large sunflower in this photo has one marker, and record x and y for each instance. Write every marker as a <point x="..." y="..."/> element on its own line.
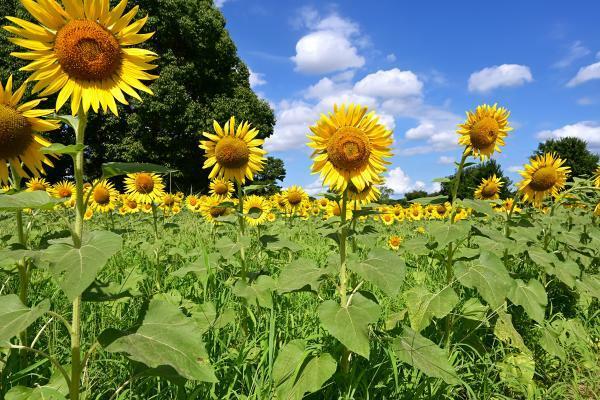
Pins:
<point x="484" y="130"/>
<point x="233" y="154"/>
<point x="144" y="187"/>
<point x="294" y="197"/>
<point x="489" y="189"/>
<point x="104" y="196"/>
<point x="80" y="50"/>
<point x="350" y="146"/>
<point x="19" y="124"/>
<point x="544" y="175"/>
<point x="256" y="210"/>
<point x="222" y="188"/>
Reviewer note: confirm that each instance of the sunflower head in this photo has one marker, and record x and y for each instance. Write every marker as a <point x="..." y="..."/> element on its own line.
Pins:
<point x="104" y="196"/>
<point x="395" y="241"/>
<point x="256" y="210"/>
<point x="294" y="197"/>
<point x="63" y="190"/>
<point x="489" y="189"/>
<point x="81" y="50"/>
<point x="544" y="175"/>
<point x="221" y="188"/>
<point x="37" y="185"/>
<point x="233" y="153"/>
<point x="370" y="193"/>
<point x="484" y="130"/>
<point x="212" y="209"/>
<point x="350" y="145"/>
<point x="144" y="187"/>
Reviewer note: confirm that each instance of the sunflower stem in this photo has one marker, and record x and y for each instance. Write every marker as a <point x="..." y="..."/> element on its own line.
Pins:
<point x="345" y="364"/>
<point x="242" y="230"/>
<point x="510" y="213"/>
<point x="155" y="220"/>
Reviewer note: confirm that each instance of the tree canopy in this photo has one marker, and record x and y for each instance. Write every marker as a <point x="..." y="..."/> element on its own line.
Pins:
<point x="201" y="79"/>
<point x="273" y="172"/>
<point x="472" y="177"/>
<point x="576" y="153"/>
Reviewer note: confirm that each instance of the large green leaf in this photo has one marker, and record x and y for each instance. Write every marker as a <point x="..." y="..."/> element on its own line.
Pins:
<point x="258" y="292"/>
<point x="55" y="389"/>
<point x="444" y="233"/>
<point x="229" y="248"/>
<point x="549" y="342"/>
<point x="21" y="200"/>
<point x="15" y="316"/>
<point x="420" y="352"/>
<point x="590" y="285"/>
<point x="531" y="296"/>
<point x="424" y="305"/>
<point x="506" y="332"/>
<point x="350" y="325"/>
<point x="300" y="274"/>
<point x="290" y="357"/>
<point x="486" y="274"/>
<point x="204" y="315"/>
<point x="76" y="268"/>
<point x="479" y="206"/>
<point x="118" y="168"/>
<point x="57" y="148"/>
<point x="167" y="338"/>
<point x="384" y="268"/>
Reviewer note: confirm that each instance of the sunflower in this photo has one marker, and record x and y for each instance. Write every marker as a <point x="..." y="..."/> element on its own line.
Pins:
<point x="256" y="209"/>
<point x="294" y="197"/>
<point x="81" y="51"/>
<point x="415" y="212"/>
<point x="65" y="191"/>
<point x="130" y="205"/>
<point x="271" y="217"/>
<point x="323" y="203"/>
<point x="211" y="209"/>
<point x="168" y="202"/>
<point x="4" y="188"/>
<point x="89" y="213"/>
<point x="388" y="219"/>
<point x="506" y="206"/>
<point x="398" y="212"/>
<point x="544" y="175"/>
<point x="368" y="194"/>
<point x="19" y="125"/>
<point x="597" y="178"/>
<point x="37" y="185"/>
<point x="104" y="196"/>
<point x="146" y="207"/>
<point x="484" y="130"/>
<point x="221" y="188"/>
<point x="350" y="146"/>
<point x="334" y="210"/>
<point x="233" y="154"/>
<point x="489" y="189"/>
<point x="394" y="242"/>
<point x="192" y="203"/>
<point x="144" y="187"/>
<point x="442" y="211"/>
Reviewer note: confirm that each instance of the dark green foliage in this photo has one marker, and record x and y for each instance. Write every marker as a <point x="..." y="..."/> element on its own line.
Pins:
<point x="415" y="194"/>
<point x="273" y="172"/>
<point x="201" y="79"/>
<point x="472" y="177"/>
<point x="574" y="150"/>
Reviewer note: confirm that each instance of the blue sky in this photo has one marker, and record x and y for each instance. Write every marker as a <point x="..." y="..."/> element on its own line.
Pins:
<point x="421" y="65"/>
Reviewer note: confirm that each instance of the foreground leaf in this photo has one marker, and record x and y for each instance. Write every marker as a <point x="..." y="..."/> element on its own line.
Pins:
<point x="119" y="168"/>
<point x="383" y="268"/>
<point x="424" y="305"/>
<point x="506" y="332"/>
<point x="258" y="292"/>
<point x="36" y="200"/>
<point x="531" y="296"/>
<point x="15" y="317"/>
<point x="299" y="274"/>
<point x="167" y="337"/>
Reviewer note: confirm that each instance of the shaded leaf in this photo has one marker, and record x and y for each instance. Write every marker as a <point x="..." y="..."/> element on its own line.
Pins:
<point x="299" y="274"/>
<point x="531" y="296"/>
<point x="258" y="292"/>
<point x="424" y="305"/>
<point x="119" y="168"/>
<point x="15" y="316"/>
<point x="36" y="200"/>
<point x="384" y="268"/>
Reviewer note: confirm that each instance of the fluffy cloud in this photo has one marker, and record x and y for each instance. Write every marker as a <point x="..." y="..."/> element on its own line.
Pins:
<point x="390" y="83"/>
<point x="257" y="79"/>
<point x="401" y="183"/>
<point x="588" y="131"/>
<point x="330" y="46"/>
<point x="220" y="3"/>
<point x="515" y="168"/>
<point x="498" y="76"/>
<point x="446" y="160"/>
<point x="586" y="74"/>
<point x="293" y="120"/>
<point x="576" y="51"/>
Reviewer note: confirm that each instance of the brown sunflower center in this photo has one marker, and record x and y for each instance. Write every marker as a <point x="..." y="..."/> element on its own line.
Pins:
<point x="102" y="195"/>
<point x="217" y="211"/>
<point x="35" y="186"/>
<point x="294" y="198"/>
<point x="232" y="152"/>
<point x="87" y="51"/>
<point x="169" y="200"/>
<point x="65" y="192"/>
<point x="221" y="188"/>
<point x="544" y="178"/>
<point x="489" y="190"/>
<point x="484" y="133"/>
<point x="15" y="133"/>
<point x="441" y="209"/>
<point x="193" y="201"/>
<point x="349" y="148"/>
<point x="132" y="204"/>
<point x="144" y="183"/>
<point x="395" y="241"/>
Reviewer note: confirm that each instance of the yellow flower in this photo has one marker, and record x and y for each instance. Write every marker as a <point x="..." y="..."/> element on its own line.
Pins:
<point x="37" y="185"/>
<point x="130" y="205"/>
<point x="334" y="210"/>
<point x="388" y="219"/>
<point x="489" y="189"/>
<point x="395" y="241"/>
<point x="192" y="203"/>
<point x="256" y="210"/>
<point x="104" y="196"/>
<point x="19" y="125"/>
<point x="89" y="213"/>
<point x="144" y="187"/>
<point x="415" y="212"/>
<point x="398" y="212"/>
<point x="370" y="193"/>
<point x="211" y="209"/>
<point x="81" y="51"/>
<point x="545" y="175"/>
<point x="350" y="146"/>
<point x="233" y="154"/>
<point x="420" y="230"/>
<point x="169" y="202"/>
<point x="294" y="197"/>
<point x="323" y="203"/>
<point x="65" y="191"/>
<point x="146" y="207"/>
<point x="597" y="177"/>
<point x="271" y="217"/>
<point x="484" y="130"/>
<point x="221" y="188"/>
<point x="442" y="211"/>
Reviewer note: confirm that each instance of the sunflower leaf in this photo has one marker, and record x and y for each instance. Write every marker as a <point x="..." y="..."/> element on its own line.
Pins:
<point x="15" y="317"/>
<point x="383" y="268"/>
<point x="57" y="148"/>
<point x="18" y="201"/>
<point x="117" y="168"/>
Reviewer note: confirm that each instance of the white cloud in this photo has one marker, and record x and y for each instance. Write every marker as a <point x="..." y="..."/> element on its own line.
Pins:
<point x="330" y="46"/>
<point x="585" y="74"/>
<point x="514" y="168"/>
<point x="588" y="131"/>
<point x="585" y="101"/>
<point x="401" y="183"/>
<point x="498" y="76"/>
<point x="220" y="3"/>
<point x="293" y="120"/>
<point x="576" y="51"/>
<point x="315" y="187"/>
<point x="445" y="160"/>
<point x="257" y="79"/>
<point x="390" y="83"/>
<point x="391" y="57"/>
<point x="325" y="87"/>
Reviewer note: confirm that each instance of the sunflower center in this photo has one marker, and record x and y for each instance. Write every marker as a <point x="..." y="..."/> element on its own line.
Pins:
<point x="15" y="133"/>
<point x="217" y="211"/>
<point x="87" y="51"/>
<point x="144" y="183"/>
<point x="37" y="186"/>
<point x="294" y="198"/>
<point x="132" y="204"/>
<point x="349" y="148"/>
<point x="232" y="152"/>
<point x="441" y="209"/>
<point x="221" y="188"/>
<point x="169" y="200"/>
<point x="484" y="133"/>
<point x="543" y="179"/>
<point x="64" y="192"/>
<point x="193" y="201"/>
<point x="489" y="190"/>
<point x="102" y="196"/>
<point x="395" y="241"/>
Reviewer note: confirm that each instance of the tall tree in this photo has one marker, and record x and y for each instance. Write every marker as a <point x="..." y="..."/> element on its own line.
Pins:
<point x="472" y="177"/>
<point x="201" y="79"/>
<point x="272" y="174"/>
<point x="576" y="153"/>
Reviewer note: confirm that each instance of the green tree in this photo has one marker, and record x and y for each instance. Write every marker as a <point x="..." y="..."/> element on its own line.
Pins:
<point x="201" y="79"/>
<point x="574" y="150"/>
<point x="472" y="177"/>
<point x="415" y="194"/>
<point x="273" y="172"/>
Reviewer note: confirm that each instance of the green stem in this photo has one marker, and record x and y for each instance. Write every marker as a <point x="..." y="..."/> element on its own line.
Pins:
<point x="22" y="265"/>
<point x="510" y="214"/>
<point x="242" y="229"/>
<point x="345" y="364"/>
<point x="155" y="220"/>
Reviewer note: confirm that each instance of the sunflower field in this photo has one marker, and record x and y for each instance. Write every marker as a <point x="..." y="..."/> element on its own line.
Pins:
<point x="122" y="288"/>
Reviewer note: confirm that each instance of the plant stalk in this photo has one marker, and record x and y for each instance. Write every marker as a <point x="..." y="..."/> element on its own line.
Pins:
<point x="345" y="362"/>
